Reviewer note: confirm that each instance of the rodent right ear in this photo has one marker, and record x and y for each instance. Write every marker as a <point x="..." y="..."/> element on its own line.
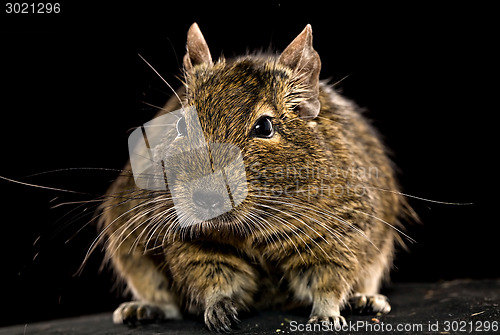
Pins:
<point x="197" y="51"/>
<point x="301" y="57"/>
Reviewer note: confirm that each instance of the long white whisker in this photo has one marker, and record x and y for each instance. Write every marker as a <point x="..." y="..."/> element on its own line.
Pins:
<point x="332" y="232"/>
<point x="105" y="230"/>
<point x="388" y="224"/>
<point x="287" y="236"/>
<point x="294" y="226"/>
<point x="328" y="214"/>
<point x="420" y="198"/>
<point x="178" y="98"/>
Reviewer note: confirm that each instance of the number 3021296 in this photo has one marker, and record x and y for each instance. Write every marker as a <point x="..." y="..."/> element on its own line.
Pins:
<point x="32" y="8"/>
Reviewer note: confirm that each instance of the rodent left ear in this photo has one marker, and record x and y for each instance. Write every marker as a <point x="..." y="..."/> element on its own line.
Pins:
<point x="197" y="51"/>
<point x="301" y="57"/>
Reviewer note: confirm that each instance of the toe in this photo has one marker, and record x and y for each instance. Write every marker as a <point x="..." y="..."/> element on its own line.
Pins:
<point x="221" y="316"/>
<point x="369" y="304"/>
<point x="379" y="303"/>
<point x="335" y="322"/>
<point x="143" y="312"/>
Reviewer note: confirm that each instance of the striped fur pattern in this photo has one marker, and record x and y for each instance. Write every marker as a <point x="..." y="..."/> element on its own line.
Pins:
<point x="318" y="226"/>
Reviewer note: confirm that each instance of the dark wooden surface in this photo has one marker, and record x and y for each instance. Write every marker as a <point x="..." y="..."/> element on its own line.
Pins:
<point x="456" y="305"/>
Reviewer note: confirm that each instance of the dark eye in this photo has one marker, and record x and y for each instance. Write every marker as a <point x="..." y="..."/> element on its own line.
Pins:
<point x="263" y="128"/>
<point x="181" y="127"/>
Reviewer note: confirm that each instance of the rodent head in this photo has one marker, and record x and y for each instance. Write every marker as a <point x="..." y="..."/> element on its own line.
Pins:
<point x="253" y="111"/>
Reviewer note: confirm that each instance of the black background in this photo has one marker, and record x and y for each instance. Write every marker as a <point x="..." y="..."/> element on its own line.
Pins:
<point x="73" y="85"/>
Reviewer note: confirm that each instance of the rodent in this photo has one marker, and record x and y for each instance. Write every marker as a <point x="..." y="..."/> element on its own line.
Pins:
<point x="317" y="227"/>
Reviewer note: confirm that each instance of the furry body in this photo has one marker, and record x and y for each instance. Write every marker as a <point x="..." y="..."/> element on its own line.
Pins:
<point x="317" y="227"/>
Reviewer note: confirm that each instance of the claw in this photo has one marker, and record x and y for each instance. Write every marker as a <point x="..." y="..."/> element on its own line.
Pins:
<point x="133" y="312"/>
<point x="338" y="321"/>
<point x="221" y="316"/>
<point x="369" y="304"/>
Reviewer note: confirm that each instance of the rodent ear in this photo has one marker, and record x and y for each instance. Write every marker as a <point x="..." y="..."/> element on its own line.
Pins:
<point x="197" y="51"/>
<point x="301" y="57"/>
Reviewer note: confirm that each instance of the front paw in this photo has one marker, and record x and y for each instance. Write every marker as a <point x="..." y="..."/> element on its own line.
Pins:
<point x="338" y="321"/>
<point x="369" y="303"/>
<point x="134" y="312"/>
<point x="221" y="315"/>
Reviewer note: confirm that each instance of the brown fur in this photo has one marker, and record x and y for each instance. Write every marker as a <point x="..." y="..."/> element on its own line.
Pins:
<point x="320" y="220"/>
